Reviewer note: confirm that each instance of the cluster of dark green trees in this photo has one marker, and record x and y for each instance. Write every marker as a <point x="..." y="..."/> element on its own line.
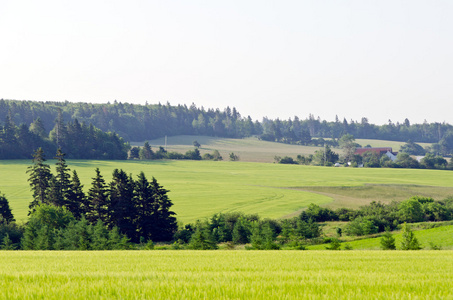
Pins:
<point x="79" y="140"/>
<point x="146" y="153"/>
<point x="301" y="131"/>
<point x="109" y="216"/>
<point x="238" y="228"/>
<point x="144" y="122"/>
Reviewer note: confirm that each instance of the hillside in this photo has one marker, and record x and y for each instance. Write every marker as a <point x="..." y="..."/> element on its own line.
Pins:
<point x="201" y="188"/>
<point x="252" y="149"/>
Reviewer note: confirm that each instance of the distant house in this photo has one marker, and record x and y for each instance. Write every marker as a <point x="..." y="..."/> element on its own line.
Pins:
<point x="379" y="150"/>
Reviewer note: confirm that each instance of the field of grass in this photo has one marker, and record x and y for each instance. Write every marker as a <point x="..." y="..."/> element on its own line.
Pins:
<point x="226" y="275"/>
<point x="202" y="188"/>
<point x="383" y="143"/>
<point x="440" y="236"/>
<point x="248" y="149"/>
<point x="251" y="149"/>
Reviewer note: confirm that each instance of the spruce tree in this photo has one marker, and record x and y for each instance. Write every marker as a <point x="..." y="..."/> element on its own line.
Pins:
<point x="387" y="241"/>
<point x="146" y="153"/>
<point x="76" y="201"/>
<point x="98" y="200"/>
<point x="146" y="208"/>
<point x="5" y="211"/>
<point x="40" y="176"/>
<point x="7" y="244"/>
<point x="408" y="239"/>
<point x="62" y="186"/>
<point x="100" y="238"/>
<point x="166" y="222"/>
<point x="122" y="206"/>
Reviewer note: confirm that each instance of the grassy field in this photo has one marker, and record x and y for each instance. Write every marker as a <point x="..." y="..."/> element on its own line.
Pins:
<point x="202" y="188"/>
<point x="251" y="149"/>
<point x="226" y="275"/>
<point x="248" y="149"/>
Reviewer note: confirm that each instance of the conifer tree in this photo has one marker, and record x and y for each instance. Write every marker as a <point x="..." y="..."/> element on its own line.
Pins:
<point x="7" y="244"/>
<point x="387" y="241"/>
<point x="37" y="127"/>
<point x="122" y="206"/>
<point x="166" y="225"/>
<point x="62" y="186"/>
<point x="408" y="239"/>
<point x="97" y="200"/>
<point x="39" y="179"/>
<point x="76" y="201"/>
<point x="146" y="208"/>
<point x="5" y="211"/>
<point x="100" y="238"/>
<point x="146" y="152"/>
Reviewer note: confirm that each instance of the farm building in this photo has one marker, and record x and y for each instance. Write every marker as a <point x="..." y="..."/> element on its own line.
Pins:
<point x="380" y="151"/>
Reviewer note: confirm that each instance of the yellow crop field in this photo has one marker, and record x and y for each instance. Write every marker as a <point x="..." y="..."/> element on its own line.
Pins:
<point x="226" y="275"/>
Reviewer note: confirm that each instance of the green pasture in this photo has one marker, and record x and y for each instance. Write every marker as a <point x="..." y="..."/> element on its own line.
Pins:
<point x="202" y="188"/>
<point x="248" y="149"/>
<point x="252" y="149"/>
<point x="440" y="236"/>
<point x="226" y="275"/>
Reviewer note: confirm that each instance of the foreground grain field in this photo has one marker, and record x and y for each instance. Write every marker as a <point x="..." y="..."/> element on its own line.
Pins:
<point x="226" y="275"/>
<point x="200" y="189"/>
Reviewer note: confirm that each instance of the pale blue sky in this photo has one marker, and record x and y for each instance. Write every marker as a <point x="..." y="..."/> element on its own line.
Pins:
<point x="378" y="59"/>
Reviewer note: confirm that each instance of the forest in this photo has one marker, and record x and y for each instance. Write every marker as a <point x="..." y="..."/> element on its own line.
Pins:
<point x="134" y="122"/>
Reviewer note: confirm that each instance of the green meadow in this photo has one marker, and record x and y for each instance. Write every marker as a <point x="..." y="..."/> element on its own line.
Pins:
<point x="226" y="275"/>
<point x="199" y="189"/>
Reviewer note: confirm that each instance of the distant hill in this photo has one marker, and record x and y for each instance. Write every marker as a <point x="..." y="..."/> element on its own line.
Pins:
<point x="251" y="149"/>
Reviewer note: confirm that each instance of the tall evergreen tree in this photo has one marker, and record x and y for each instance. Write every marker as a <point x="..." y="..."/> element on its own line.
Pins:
<point x="387" y="241"/>
<point x="98" y="200"/>
<point x="122" y="206"/>
<point x="37" y="127"/>
<point x="61" y="186"/>
<point x="5" y="211"/>
<point x="166" y="225"/>
<point x="39" y="179"/>
<point x="76" y="201"/>
<point x="146" y="208"/>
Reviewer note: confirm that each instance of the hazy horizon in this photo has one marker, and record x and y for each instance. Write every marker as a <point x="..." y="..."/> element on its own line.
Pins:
<point x="380" y="60"/>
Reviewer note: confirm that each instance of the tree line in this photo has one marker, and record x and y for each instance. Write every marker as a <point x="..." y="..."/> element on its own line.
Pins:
<point x="135" y="122"/>
<point x="79" y="139"/>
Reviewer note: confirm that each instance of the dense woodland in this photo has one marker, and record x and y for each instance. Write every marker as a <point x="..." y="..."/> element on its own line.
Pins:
<point x="79" y="139"/>
<point x="134" y="122"/>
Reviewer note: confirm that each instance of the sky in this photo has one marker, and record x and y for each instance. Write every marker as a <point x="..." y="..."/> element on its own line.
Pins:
<point x="384" y="60"/>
